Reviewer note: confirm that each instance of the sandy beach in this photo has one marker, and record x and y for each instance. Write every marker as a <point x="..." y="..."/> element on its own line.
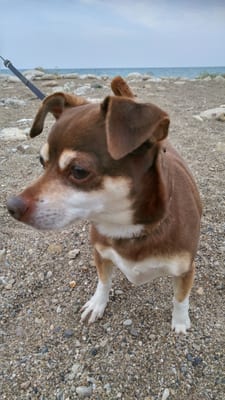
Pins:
<point x="46" y="353"/>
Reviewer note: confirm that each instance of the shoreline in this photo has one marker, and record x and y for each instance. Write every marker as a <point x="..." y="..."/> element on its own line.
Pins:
<point x="145" y="72"/>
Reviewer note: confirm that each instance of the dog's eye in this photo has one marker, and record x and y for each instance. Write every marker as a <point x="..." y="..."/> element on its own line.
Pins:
<point x="79" y="173"/>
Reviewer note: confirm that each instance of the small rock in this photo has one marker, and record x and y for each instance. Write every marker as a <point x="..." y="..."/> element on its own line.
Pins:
<point x="119" y="292"/>
<point x="10" y="284"/>
<point x="72" y="284"/>
<point x="49" y="274"/>
<point x="166" y="394"/>
<point x="73" y="253"/>
<point x="25" y="385"/>
<point x="220" y="147"/>
<point x="96" y="86"/>
<point x="127" y="322"/>
<point x="200" y="291"/>
<point x="23" y="147"/>
<point x="41" y="276"/>
<point x="84" y="391"/>
<point x="12" y="134"/>
<point x="197" y="361"/>
<point x="134" y="332"/>
<point x="94" y="351"/>
<point x="2" y="254"/>
<point x="214" y="113"/>
<point x="54" y="248"/>
<point x="107" y="388"/>
<point x="189" y="357"/>
<point x="75" y="369"/>
<point x="38" y="321"/>
<point x="68" y="333"/>
<point x="58" y="310"/>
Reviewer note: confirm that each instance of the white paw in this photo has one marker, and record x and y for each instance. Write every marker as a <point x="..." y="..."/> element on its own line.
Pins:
<point x="181" y="326"/>
<point x="94" y="308"/>
<point x="180" y="317"/>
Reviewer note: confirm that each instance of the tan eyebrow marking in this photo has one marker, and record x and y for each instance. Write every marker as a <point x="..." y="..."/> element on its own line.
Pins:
<point x="65" y="158"/>
<point x="44" y="152"/>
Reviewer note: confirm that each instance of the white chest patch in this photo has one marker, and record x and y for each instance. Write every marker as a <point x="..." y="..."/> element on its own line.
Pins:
<point x="148" y="269"/>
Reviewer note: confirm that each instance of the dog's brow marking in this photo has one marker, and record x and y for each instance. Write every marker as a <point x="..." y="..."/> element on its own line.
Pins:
<point x="66" y="157"/>
<point x="44" y="152"/>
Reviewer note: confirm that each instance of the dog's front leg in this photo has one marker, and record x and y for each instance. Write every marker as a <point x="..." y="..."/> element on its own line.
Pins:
<point x="95" y="307"/>
<point x="182" y="287"/>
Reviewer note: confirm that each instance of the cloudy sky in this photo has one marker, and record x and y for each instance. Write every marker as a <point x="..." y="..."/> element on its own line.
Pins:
<point x="112" y="33"/>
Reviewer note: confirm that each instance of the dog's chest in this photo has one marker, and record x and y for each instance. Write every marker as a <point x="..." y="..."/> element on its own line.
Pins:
<point x="139" y="272"/>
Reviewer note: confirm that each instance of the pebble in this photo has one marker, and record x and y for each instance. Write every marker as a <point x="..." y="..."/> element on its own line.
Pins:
<point x="23" y="147"/>
<point x="200" y="291"/>
<point x="107" y="388"/>
<point x="54" y="248"/>
<point x="75" y="369"/>
<point x="197" y="361"/>
<point x="127" y="322"/>
<point x="68" y="333"/>
<point x="134" y="332"/>
<point x="166" y="394"/>
<point x="12" y="134"/>
<point x="10" y="284"/>
<point x="25" y="385"/>
<point x="41" y="276"/>
<point x="84" y="391"/>
<point x="49" y="274"/>
<point x="2" y="254"/>
<point x="73" y="253"/>
<point x="72" y="284"/>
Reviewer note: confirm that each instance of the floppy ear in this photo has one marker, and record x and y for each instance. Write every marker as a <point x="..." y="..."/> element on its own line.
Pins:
<point x="55" y="103"/>
<point x="130" y="124"/>
<point x="120" y="87"/>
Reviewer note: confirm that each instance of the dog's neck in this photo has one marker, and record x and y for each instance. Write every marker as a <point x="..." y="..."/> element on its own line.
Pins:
<point x="142" y="219"/>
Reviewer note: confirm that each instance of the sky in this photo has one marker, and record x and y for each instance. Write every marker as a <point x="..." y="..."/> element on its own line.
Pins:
<point x="112" y="33"/>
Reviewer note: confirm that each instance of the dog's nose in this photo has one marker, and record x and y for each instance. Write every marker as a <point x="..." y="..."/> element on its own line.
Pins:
<point x="17" y="206"/>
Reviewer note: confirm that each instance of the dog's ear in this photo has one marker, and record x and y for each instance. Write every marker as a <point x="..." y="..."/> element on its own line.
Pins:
<point x="130" y="124"/>
<point x="55" y="103"/>
<point x="120" y="87"/>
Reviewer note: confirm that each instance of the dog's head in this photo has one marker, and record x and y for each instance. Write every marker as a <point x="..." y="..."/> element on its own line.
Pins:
<point x="96" y="161"/>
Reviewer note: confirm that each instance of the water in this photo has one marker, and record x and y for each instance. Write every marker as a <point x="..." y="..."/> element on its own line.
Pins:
<point x="173" y="72"/>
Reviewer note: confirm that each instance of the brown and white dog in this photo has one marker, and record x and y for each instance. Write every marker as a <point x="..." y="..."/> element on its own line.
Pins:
<point x="110" y="163"/>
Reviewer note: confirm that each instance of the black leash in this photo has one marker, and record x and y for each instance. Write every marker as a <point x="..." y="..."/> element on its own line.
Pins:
<point x="26" y="82"/>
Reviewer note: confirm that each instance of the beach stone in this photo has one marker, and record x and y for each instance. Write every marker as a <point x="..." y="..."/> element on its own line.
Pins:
<point x="134" y="75"/>
<point x="2" y="254"/>
<point x="166" y="394"/>
<point x="12" y="134"/>
<point x="73" y="253"/>
<point x="217" y="113"/>
<point x="219" y="78"/>
<point x="96" y="85"/>
<point x="12" y="101"/>
<point x="220" y="147"/>
<point x="84" y="391"/>
<point x="22" y="148"/>
<point x="50" y="83"/>
<point x="54" y="248"/>
<point x="82" y="90"/>
<point x="73" y="75"/>
<point x="68" y="333"/>
<point x="13" y="79"/>
<point x="127" y="322"/>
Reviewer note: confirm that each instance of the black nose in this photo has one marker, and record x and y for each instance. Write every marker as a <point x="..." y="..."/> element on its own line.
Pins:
<point x="17" y="206"/>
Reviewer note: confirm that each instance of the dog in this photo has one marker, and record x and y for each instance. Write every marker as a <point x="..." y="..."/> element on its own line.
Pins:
<point x="111" y="163"/>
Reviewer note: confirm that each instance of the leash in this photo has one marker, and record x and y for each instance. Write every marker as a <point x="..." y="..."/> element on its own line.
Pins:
<point x="26" y="82"/>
